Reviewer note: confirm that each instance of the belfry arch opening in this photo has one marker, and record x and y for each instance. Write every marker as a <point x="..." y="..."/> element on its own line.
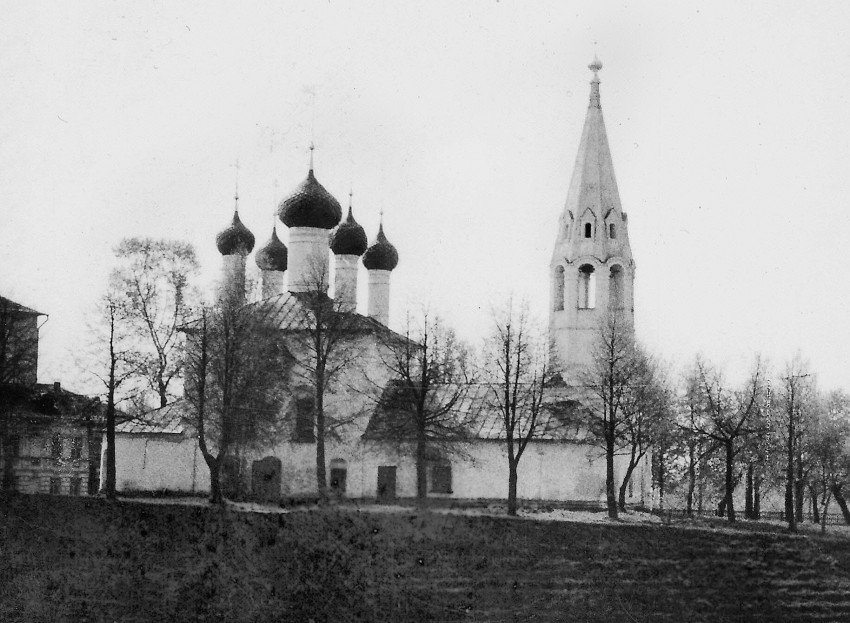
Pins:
<point x="615" y="288"/>
<point x="558" y="301"/>
<point x="588" y="230"/>
<point x="586" y="287"/>
<point x="612" y="231"/>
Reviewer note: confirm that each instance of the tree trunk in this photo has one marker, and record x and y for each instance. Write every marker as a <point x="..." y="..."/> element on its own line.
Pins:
<point x="421" y="470"/>
<point x="692" y="478"/>
<point x="610" y="484"/>
<point x="789" y="470"/>
<point x="814" y="497"/>
<point x="215" y="482"/>
<point x="757" y="497"/>
<point x="799" y="490"/>
<point x="109" y="486"/>
<point x="842" y="503"/>
<point x="512" y="486"/>
<point x="8" y="451"/>
<point x="748" y="499"/>
<point x="621" y="501"/>
<point x="321" y="471"/>
<point x="721" y="507"/>
<point x="823" y="515"/>
<point x="730" y="482"/>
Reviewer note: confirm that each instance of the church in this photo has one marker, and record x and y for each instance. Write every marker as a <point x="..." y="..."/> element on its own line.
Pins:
<point x="591" y="272"/>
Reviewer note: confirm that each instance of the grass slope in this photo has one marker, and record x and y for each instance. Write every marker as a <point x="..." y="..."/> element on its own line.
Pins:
<point x="86" y="560"/>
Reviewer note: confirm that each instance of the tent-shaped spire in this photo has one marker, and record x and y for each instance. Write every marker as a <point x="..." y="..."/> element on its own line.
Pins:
<point x="593" y="184"/>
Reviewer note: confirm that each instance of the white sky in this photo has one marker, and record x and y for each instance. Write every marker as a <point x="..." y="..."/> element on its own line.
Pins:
<point x="729" y="125"/>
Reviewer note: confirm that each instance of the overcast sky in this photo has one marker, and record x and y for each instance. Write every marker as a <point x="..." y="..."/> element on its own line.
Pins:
<point x="729" y="125"/>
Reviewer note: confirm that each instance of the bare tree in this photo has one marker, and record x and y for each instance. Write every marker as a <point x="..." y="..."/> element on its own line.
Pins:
<point x="233" y="366"/>
<point x="153" y="279"/>
<point x="115" y="365"/>
<point x="429" y="373"/>
<point x="830" y="458"/>
<point x="322" y="337"/>
<point x="18" y="370"/>
<point x="614" y="371"/>
<point x="727" y="417"/>
<point x="517" y="359"/>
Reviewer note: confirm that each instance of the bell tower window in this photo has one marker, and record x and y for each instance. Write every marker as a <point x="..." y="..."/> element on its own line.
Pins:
<point x="586" y="287"/>
<point x="558" y="301"/>
<point x="615" y="288"/>
<point x="588" y="230"/>
<point x="612" y="231"/>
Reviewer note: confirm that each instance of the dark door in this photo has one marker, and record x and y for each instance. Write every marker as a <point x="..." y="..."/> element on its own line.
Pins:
<point x="338" y="475"/>
<point x="386" y="482"/>
<point x="265" y="479"/>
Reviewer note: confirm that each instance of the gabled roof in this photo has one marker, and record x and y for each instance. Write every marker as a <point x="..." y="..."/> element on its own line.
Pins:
<point x="47" y="404"/>
<point x="17" y="307"/>
<point x="170" y="419"/>
<point x="476" y="409"/>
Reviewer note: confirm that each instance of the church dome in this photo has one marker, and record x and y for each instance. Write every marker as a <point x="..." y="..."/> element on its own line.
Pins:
<point x="349" y="238"/>
<point x="236" y="239"/>
<point x="273" y="256"/>
<point x="310" y="205"/>
<point x="381" y="255"/>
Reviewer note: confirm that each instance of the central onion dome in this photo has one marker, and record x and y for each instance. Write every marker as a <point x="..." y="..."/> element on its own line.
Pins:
<point x="273" y="256"/>
<point x="349" y="238"/>
<point x="236" y="239"/>
<point x="310" y="205"/>
<point x="381" y="255"/>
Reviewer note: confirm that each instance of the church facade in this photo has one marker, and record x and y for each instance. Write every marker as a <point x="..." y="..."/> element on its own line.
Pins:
<point x="592" y="272"/>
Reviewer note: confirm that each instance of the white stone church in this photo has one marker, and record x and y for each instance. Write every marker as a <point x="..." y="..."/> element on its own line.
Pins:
<point x="591" y="271"/>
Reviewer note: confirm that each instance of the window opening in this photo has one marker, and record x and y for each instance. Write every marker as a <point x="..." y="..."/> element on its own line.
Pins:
<point x="56" y="446"/>
<point x="441" y="479"/>
<point x="586" y="287"/>
<point x="588" y="230"/>
<point x="612" y="231"/>
<point x="615" y="288"/>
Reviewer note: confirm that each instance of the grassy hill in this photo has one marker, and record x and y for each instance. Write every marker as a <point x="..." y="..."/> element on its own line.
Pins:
<point x="84" y="560"/>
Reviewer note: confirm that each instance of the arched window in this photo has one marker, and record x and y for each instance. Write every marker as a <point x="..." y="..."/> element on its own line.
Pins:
<point x="586" y="287"/>
<point x="612" y="231"/>
<point x="615" y="288"/>
<point x="588" y="230"/>
<point x="558" y="302"/>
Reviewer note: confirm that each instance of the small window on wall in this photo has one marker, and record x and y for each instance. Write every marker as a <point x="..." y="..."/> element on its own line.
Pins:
<point x="56" y="446"/>
<point x="586" y="287"/>
<point x="304" y="420"/>
<point x="588" y="230"/>
<point x="339" y="473"/>
<point x="77" y="448"/>
<point x="441" y="479"/>
<point x="76" y="485"/>
<point x="55" y="485"/>
<point x="612" y="231"/>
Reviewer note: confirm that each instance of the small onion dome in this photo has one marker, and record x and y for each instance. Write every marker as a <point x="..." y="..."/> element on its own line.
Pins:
<point x="273" y="256"/>
<point x="235" y="239"/>
<point x="310" y="205"/>
<point x="381" y="255"/>
<point x="349" y="238"/>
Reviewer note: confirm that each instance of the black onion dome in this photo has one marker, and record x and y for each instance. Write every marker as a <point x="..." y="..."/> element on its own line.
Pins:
<point x="310" y="205"/>
<point x="349" y="237"/>
<point x="235" y="239"/>
<point x="381" y="255"/>
<point x="273" y="256"/>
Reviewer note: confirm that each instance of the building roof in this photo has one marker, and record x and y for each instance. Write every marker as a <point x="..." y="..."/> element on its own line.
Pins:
<point x="349" y="238"/>
<point x="310" y="205"/>
<point x="593" y="184"/>
<point x="475" y="408"/>
<point x="12" y="306"/>
<point x="382" y="255"/>
<point x="273" y="255"/>
<point x="235" y="239"/>
<point x="49" y="403"/>
<point x="170" y="419"/>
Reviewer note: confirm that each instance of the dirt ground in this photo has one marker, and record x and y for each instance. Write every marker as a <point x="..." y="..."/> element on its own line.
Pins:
<point x="66" y="559"/>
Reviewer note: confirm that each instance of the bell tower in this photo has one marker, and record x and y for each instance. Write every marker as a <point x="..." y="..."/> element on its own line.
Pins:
<point x="592" y="271"/>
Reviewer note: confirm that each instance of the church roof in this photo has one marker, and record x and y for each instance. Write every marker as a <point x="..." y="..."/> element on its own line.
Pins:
<point x="12" y="306"/>
<point x="474" y="407"/>
<point x="593" y="184"/>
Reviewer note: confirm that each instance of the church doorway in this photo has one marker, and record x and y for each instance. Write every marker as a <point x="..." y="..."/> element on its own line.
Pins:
<point x="386" y="483"/>
<point x="265" y="479"/>
<point x="339" y="472"/>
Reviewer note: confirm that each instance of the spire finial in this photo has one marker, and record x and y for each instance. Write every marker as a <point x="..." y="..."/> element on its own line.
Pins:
<point x="595" y="66"/>
<point x="236" y="191"/>
<point x="312" y="147"/>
